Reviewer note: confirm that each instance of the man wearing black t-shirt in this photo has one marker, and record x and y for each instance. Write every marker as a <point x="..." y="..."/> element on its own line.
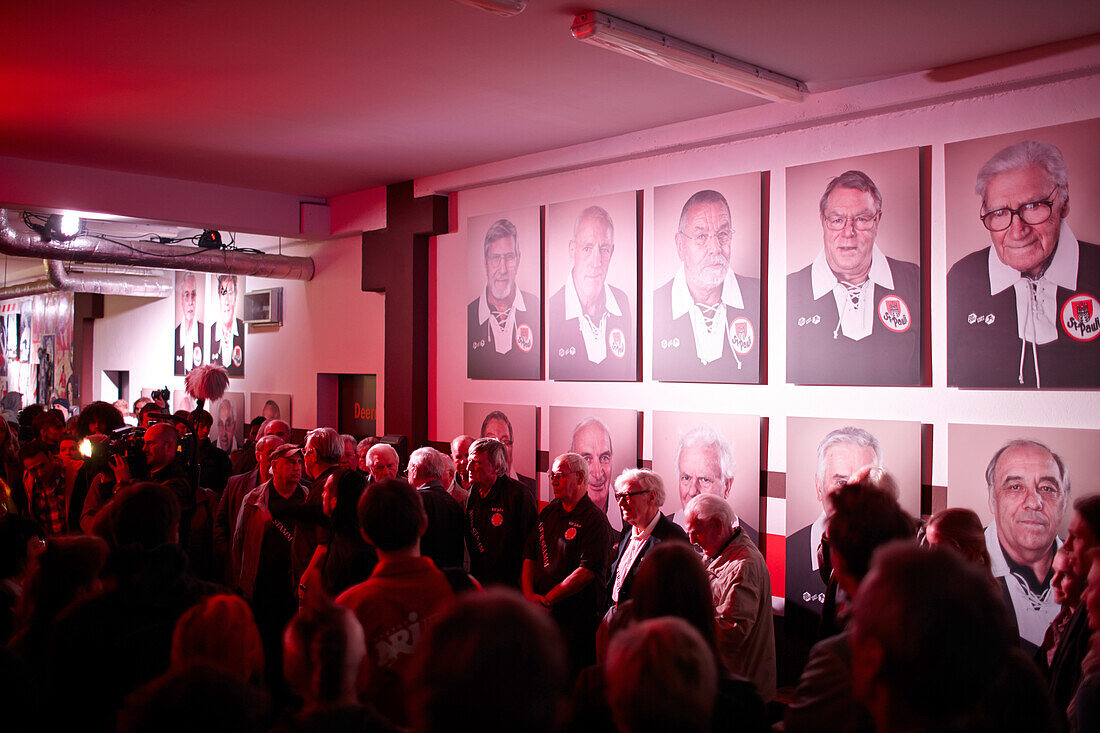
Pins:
<point x="499" y="516"/>
<point x="566" y="558"/>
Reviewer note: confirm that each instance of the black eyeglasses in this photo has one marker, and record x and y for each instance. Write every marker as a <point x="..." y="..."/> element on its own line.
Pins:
<point x="1032" y="213"/>
<point x="625" y="495"/>
<point x="861" y="222"/>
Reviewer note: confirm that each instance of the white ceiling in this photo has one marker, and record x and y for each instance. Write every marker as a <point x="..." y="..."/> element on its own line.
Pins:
<point x="331" y="96"/>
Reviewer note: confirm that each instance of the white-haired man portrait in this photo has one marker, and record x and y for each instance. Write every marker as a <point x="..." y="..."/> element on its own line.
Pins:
<point x="1023" y="312"/>
<point x="840" y="454"/>
<point x="705" y="464"/>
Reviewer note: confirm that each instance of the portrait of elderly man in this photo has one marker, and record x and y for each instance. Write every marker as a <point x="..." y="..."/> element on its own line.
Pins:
<point x="706" y="319"/>
<point x="1023" y="312"/>
<point x="503" y="325"/>
<point x="840" y="454"/>
<point x="591" y="440"/>
<point x="705" y="464"/>
<point x="1029" y="489"/>
<point x="189" y="330"/>
<point x="497" y="425"/>
<point x="853" y="314"/>
<point x="227" y="331"/>
<point x="227" y="425"/>
<point x="591" y="327"/>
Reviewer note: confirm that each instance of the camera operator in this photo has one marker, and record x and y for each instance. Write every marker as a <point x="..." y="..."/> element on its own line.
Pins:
<point x="161" y="448"/>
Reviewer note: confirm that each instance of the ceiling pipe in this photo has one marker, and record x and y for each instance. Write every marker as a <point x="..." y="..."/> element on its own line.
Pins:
<point x="105" y="283"/>
<point x="21" y="242"/>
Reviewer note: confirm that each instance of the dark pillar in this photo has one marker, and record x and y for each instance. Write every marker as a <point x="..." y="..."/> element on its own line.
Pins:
<point x="395" y="262"/>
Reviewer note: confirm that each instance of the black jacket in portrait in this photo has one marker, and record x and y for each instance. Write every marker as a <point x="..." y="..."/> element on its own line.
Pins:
<point x="234" y="363"/>
<point x="674" y="355"/>
<point x="196" y="358"/>
<point x="818" y="353"/>
<point x="522" y="361"/>
<point x="983" y="341"/>
<point x="568" y="356"/>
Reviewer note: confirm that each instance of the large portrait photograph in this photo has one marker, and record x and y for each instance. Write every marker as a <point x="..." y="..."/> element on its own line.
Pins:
<point x="699" y="453"/>
<point x="516" y="426"/>
<point x="607" y="439"/>
<point x="269" y="406"/>
<point x="821" y="454"/>
<point x="854" y="280"/>
<point x="1022" y="483"/>
<point x="189" y="347"/>
<point x="225" y="323"/>
<point x="1023" y="258"/>
<point x="504" y="295"/>
<point x="229" y="421"/>
<point x="706" y="278"/>
<point x="592" y="256"/>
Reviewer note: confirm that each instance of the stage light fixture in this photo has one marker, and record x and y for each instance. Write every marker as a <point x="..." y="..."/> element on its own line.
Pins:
<point x="210" y="239"/>
<point x="507" y="8"/>
<point x="631" y="39"/>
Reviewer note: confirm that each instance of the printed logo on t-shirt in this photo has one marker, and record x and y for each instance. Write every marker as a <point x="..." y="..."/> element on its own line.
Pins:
<point x="525" y="338"/>
<point x="570" y="533"/>
<point x="894" y="314"/>
<point x="1081" y="317"/>
<point x="741" y="336"/>
<point x="497" y="519"/>
<point x="238" y="356"/>
<point x="196" y="355"/>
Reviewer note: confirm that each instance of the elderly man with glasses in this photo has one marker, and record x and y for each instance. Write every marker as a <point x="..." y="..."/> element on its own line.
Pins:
<point x="853" y="314"/>
<point x="640" y="494"/>
<point x="1023" y="312"/>
<point x="706" y="319"/>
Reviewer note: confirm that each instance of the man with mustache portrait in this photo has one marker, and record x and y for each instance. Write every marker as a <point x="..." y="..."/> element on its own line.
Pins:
<point x="706" y="319"/>
<point x="1028" y="494"/>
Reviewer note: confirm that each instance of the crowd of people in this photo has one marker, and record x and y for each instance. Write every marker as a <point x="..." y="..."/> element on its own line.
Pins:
<point x="310" y="586"/>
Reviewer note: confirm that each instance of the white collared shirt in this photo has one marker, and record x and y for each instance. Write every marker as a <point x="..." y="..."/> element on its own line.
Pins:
<point x="709" y="342"/>
<point x="226" y="341"/>
<point x="188" y="339"/>
<point x="856" y="321"/>
<point x="1037" y="300"/>
<point x="817" y="530"/>
<point x="500" y="335"/>
<point x="1033" y="613"/>
<point x="594" y="334"/>
<point x="637" y="539"/>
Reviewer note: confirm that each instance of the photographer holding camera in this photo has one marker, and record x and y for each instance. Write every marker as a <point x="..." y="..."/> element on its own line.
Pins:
<point x="161" y="444"/>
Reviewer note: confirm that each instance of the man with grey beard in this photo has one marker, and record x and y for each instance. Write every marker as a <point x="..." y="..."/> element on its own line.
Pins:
<point x="706" y="319"/>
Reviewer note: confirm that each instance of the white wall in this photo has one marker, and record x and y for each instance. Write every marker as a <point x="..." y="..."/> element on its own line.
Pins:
<point x="329" y="325"/>
<point x="1010" y="105"/>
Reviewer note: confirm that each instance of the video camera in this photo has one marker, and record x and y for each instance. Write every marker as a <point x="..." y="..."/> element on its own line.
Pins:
<point x="129" y="443"/>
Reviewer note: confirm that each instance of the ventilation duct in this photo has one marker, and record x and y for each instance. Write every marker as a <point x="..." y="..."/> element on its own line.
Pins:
<point x="141" y="285"/>
<point x="17" y="241"/>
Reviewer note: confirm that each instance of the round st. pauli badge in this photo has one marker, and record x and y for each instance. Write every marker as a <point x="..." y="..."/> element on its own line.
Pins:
<point x="616" y="341"/>
<point x="497" y="519"/>
<point x="525" y="339"/>
<point x="1080" y="317"/>
<point x="237" y="356"/>
<point x="894" y="314"/>
<point x="570" y="533"/>
<point x="741" y="335"/>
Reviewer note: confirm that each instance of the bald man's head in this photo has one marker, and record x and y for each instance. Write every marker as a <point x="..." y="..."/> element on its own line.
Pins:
<point x="161" y="442"/>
